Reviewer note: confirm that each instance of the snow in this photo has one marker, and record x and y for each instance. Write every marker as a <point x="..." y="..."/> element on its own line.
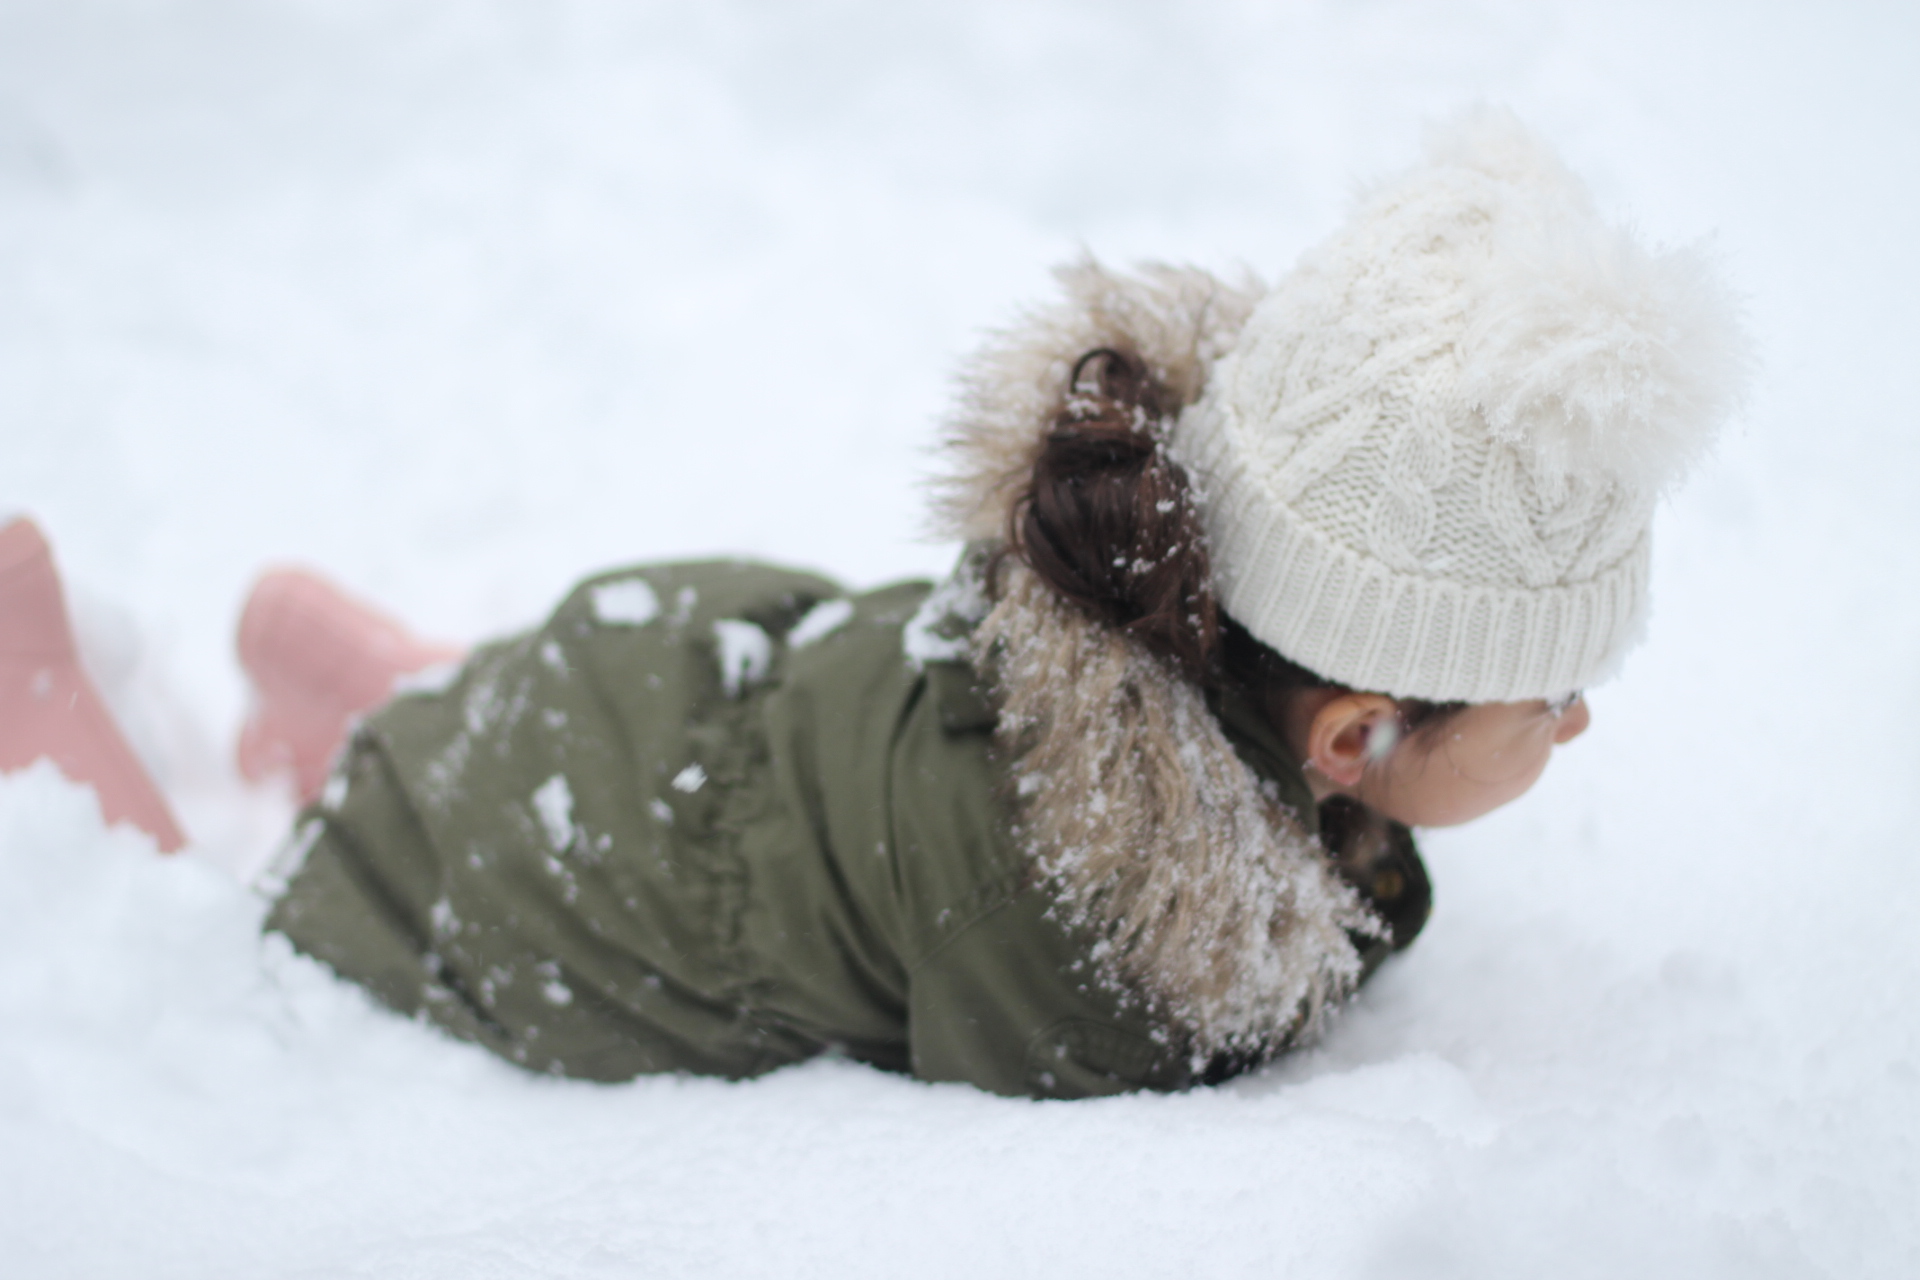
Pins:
<point x="745" y="652"/>
<point x="553" y="804"/>
<point x="630" y="603"/>
<point x="958" y="595"/>
<point x="820" y="622"/>
<point x="460" y="302"/>
<point x="436" y="677"/>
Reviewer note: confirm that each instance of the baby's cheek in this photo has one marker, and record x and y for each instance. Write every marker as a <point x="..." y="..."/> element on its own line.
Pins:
<point x="1421" y="790"/>
<point x="1445" y="790"/>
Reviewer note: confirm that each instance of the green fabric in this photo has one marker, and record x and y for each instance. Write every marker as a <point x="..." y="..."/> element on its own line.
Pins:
<point x="720" y="880"/>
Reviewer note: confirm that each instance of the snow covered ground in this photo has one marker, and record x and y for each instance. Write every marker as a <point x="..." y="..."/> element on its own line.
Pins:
<point x="459" y="300"/>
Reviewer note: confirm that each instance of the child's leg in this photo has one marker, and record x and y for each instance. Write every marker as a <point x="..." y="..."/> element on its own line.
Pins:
<point x="48" y="707"/>
<point x="317" y="658"/>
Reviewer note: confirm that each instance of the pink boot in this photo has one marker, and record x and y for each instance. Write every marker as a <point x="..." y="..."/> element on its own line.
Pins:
<point x="49" y="708"/>
<point x="317" y="658"/>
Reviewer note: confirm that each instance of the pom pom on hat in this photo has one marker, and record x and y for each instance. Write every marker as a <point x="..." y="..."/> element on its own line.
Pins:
<point x="1585" y="350"/>
<point x="1493" y="141"/>
<point x="1592" y="354"/>
<point x="1429" y="466"/>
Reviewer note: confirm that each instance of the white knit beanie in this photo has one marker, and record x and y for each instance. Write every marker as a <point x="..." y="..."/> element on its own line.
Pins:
<point x="1428" y="468"/>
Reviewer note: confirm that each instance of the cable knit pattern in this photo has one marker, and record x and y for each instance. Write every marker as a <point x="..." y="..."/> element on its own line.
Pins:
<point x="1430" y="464"/>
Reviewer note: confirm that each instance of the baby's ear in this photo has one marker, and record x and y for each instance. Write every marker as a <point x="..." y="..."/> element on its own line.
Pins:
<point x="1349" y="733"/>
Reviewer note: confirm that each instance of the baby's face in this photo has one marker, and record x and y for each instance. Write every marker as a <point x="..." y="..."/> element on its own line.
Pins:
<point x="1472" y="763"/>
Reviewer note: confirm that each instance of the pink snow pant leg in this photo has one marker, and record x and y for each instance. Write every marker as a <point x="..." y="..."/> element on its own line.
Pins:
<point x="48" y="706"/>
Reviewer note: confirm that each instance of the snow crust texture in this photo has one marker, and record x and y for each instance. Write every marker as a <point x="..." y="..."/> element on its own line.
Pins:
<point x="461" y="302"/>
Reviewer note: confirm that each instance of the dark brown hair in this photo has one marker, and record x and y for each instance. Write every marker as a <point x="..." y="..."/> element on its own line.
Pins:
<point x="1107" y="520"/>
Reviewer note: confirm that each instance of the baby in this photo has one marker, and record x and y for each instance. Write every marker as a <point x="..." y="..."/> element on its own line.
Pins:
<point x="1255" y="582"/>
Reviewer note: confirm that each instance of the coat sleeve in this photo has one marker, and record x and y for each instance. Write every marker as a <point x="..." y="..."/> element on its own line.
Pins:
<point x="1009" y="1003"/>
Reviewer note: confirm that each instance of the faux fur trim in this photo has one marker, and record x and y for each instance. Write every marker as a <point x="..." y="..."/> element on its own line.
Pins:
<point x="1180" y="320"/>
<point x="1207" y="894"/>
<point x="1205" y="891"/>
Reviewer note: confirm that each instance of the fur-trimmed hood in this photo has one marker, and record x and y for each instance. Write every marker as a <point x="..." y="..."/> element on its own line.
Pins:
<point x="1209" y="895"/>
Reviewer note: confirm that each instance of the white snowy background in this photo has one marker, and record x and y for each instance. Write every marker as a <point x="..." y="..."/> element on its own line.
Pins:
<point x="458" y="301"/>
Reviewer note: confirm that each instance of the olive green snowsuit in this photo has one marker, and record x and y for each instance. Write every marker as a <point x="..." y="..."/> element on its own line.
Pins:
<point x="667" y="831"/>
